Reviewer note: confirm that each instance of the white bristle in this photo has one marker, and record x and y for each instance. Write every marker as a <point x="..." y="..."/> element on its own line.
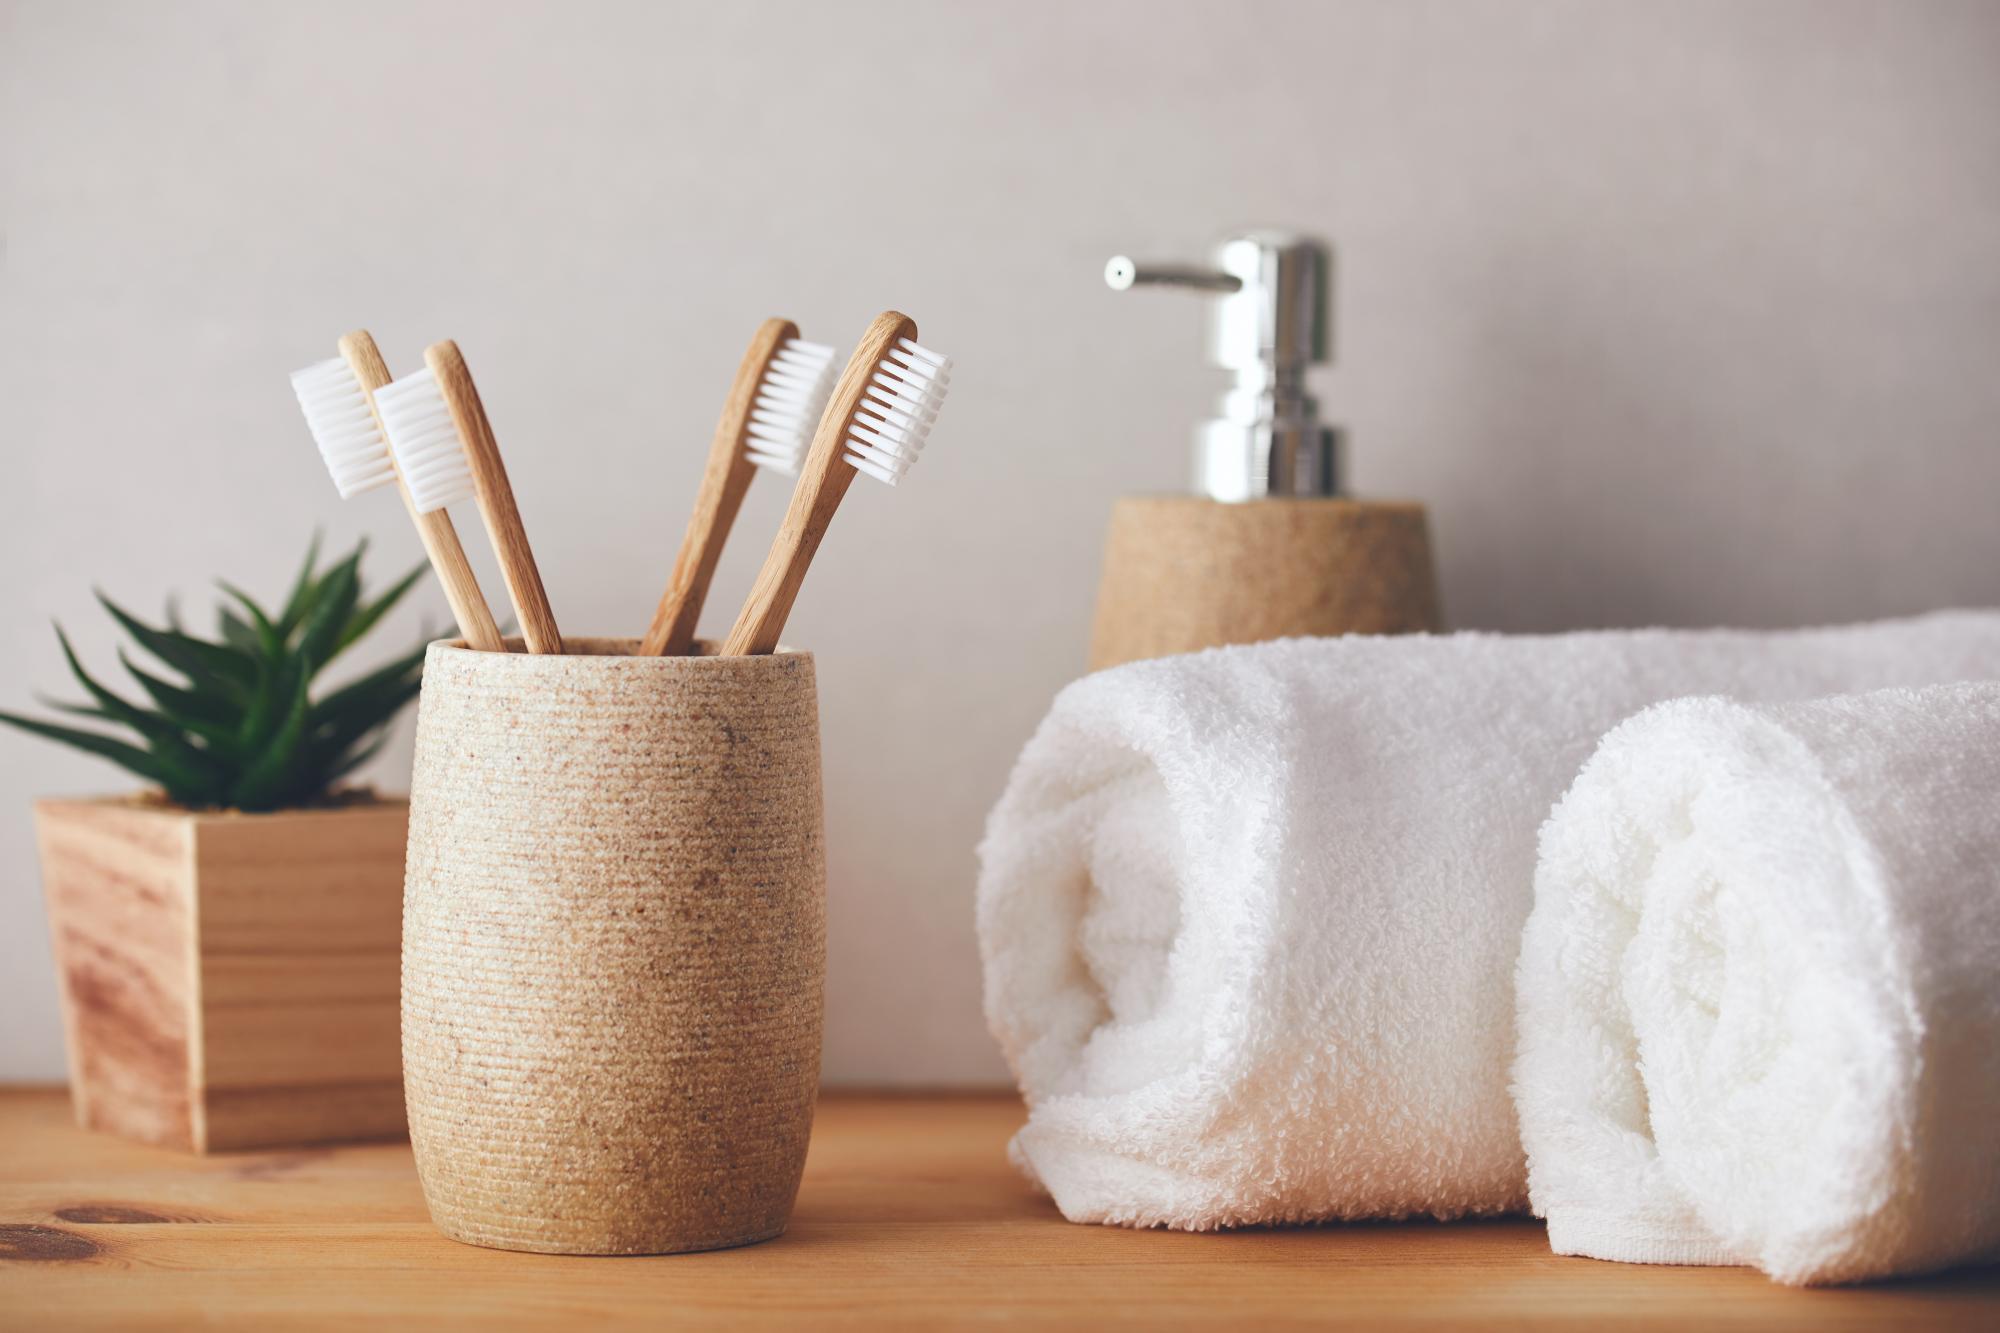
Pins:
<point x="790" y="398"/>
<point x="897" y="410"/>
<point x="342" y="426"/>
<point x="426" y="441"/>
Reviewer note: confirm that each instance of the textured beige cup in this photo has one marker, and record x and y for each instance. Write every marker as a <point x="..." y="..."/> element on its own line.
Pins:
<point x="614" y="944"/>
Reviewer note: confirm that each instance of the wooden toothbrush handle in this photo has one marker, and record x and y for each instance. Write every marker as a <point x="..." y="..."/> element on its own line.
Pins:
<point x="724" y="483"/>
<point x="821" y="484"/>
<point x="496" y="498"/>
<point x="440" y="539"/>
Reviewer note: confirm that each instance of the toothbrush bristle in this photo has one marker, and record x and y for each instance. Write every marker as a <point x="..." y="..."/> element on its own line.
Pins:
<point x="786" y="410"/>
<point x="337" y="414"/>
<point x="425" y="440"/>
<point x="896" y="411"/>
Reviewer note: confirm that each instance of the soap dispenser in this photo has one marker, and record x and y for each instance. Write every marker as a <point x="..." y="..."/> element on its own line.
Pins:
<point x="1267" y="545"/>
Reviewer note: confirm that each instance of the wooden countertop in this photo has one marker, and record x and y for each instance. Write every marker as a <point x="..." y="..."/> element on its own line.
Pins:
<point x="909" y="1216"/>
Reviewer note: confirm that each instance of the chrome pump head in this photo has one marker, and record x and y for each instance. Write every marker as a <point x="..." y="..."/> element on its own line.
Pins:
<point x="1270" y="323"/>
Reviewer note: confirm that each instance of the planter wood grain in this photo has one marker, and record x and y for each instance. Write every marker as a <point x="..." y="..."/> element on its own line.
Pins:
<point x="614" y="946"/>
<point x="228" y="980"/>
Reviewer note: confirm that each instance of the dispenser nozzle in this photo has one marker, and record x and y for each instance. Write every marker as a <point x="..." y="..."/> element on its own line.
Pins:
<point x="1123" y="273"/>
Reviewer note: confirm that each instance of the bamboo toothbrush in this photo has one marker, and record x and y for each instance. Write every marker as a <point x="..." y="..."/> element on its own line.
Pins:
<point x="881" y="412"/>
<point x="780" y="389"/>
<point x="338" y="399"/>
<point x="445" y="447"/>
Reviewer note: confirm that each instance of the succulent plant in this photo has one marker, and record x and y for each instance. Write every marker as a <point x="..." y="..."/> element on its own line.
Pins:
<point x="241" y="727"/>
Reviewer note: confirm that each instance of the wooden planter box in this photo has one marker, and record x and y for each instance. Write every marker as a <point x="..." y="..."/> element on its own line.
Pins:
<point x="229" y="980"/>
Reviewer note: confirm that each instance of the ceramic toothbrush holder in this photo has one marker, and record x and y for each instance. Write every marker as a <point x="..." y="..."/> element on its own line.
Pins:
<point x="614" y="946"/>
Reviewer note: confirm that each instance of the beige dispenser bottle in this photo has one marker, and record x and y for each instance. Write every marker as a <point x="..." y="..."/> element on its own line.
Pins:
<point x="1267" y="546"/>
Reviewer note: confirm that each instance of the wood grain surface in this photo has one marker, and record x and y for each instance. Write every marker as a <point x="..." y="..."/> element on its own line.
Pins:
<point x="118" y="881"/>
<point x="229" y="981"/>
<point x="909" y="1217"/>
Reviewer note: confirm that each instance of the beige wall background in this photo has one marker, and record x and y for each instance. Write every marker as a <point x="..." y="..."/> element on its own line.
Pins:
<point x="1683" y="313"/>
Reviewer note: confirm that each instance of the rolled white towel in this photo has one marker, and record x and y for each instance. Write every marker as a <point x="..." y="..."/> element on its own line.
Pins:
<point x="1760" y="989"/>
<point x="1249" y="917"/>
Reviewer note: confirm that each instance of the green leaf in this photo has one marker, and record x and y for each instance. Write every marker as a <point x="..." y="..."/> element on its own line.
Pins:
<point x="264" y="638"/>
<point x="77" y="710"/>
<point x="348" y="716"/>
<point x="341" y="767"/>
<point x="331" y="736"/>
<point x="300" y="600"/>
<point x="199" y="661"/>
<point x="108" y="703"/>
<point x="366" y="692"/>
<point x="271" y="776"/>
<point x="190" y="776"/>
<point x="332" y="605"/>
<point x="365" y="617"/>
<point x="129" y="757"/>
<point x="274" y="685"/>
<point x="193" y="769"/>
<point x="235" y="631"/>
<point x="199" y="711"/>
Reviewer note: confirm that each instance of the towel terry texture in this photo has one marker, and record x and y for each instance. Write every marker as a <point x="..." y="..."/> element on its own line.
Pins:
<point x="1760" y="988"/>
<point x="1249" y="917"/>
